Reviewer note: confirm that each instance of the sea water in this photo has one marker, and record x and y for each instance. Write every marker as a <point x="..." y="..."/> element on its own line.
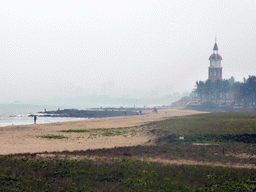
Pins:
<point x="18" y="114"/>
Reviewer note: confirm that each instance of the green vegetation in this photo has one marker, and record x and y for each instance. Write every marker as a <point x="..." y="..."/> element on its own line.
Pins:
<point x="225" y="127"/>
<point x="101" y="132"/>
<point x="212" y="138"/>
<point x="122" y="168"/>
<point x="54" y="137"/>
<point x="224" y="154"/>
<point x="76" y="131"/>
<point x="22" y="174"/>
<point x="244" y="92"/>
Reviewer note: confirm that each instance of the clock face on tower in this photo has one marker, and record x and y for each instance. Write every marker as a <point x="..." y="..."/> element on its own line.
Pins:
<point x="215" y="63"/>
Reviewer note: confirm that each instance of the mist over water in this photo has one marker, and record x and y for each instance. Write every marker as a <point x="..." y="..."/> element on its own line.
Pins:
<point x="18" y="114"/>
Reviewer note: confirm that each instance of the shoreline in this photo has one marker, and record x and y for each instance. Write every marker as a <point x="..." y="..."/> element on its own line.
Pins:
<point x="70" y="114"/>
<point x="43" y="120"/>
<point x="28" y="138"/>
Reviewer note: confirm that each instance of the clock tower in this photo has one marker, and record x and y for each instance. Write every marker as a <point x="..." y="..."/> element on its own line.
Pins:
<point x="215" y="69"/>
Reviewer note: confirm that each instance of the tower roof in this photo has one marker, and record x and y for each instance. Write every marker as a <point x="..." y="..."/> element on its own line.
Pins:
<point x="215" y="57"/>
<point x="215" y="48"/>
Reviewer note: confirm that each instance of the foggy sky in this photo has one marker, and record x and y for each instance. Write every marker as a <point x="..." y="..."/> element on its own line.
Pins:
<point x="64" y="48"/>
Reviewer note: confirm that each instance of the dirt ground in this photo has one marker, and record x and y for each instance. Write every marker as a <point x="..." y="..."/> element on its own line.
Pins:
<point x="28" y="138"/>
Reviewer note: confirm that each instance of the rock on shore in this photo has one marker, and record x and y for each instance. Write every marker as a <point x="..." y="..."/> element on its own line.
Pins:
<point x="93" y="113"/>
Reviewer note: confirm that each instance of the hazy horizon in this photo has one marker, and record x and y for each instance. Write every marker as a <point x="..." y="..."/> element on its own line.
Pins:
<point x="66" y="49"/>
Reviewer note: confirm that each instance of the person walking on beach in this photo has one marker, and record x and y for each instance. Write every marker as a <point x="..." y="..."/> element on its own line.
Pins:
<point x="35" y="119"/>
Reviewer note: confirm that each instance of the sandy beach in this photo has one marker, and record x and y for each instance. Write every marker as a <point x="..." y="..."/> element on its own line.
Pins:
<point x="29" y="138"/>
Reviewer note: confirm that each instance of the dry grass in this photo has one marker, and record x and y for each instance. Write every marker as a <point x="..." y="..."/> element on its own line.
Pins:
<point x="99" y="159"/>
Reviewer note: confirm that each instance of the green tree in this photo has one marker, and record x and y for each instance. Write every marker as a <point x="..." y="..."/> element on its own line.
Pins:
<point x="225" y="87"/>
<point x="200" y="89"/>
<point x="231" y="81"/>
<point x="217" y="89"/>
<point x="208" y="89"/>
<point x="244" y="93"/>
<point x="236" y="90"/>
<point x="251" y="89"/>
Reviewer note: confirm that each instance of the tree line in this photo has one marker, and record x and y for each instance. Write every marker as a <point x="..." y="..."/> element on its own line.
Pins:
<point x="239" y="92"/>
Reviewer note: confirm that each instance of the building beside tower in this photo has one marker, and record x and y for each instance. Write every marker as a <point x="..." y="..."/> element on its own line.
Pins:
<point x="215" y="69"/>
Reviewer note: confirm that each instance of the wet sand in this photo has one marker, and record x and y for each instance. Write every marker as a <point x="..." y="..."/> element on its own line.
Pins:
<point x="27" y="138"/>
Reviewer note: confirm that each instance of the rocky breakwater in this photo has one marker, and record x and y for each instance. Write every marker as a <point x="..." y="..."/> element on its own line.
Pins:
<point x="93" y="113"/>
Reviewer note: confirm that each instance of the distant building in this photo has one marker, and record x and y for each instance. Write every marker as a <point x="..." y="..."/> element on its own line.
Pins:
<point x="215" y="69"/>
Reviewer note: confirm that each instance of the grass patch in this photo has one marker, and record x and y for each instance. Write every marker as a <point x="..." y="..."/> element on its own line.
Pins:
<point x="54" y="137"/>
<point x="76" y="131"/>
<point x="210" y="153"/>
<point x="211" y="138"/>
<point x="101" y="132"/>
<point x="21" y="174"/>
<point x="224" y="127"/>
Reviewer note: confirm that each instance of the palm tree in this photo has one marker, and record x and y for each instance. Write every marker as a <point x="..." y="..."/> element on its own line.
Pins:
<point x="251" y="86"/>
<point x="225" y="87"/>
<point x="200" y="89"/>
<point x="244" y="93"/>
<point x="208" y="88"/>
<point x="217" y="88"/>
<point x="236" y="90"/>
<point x="231" y="81"/>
